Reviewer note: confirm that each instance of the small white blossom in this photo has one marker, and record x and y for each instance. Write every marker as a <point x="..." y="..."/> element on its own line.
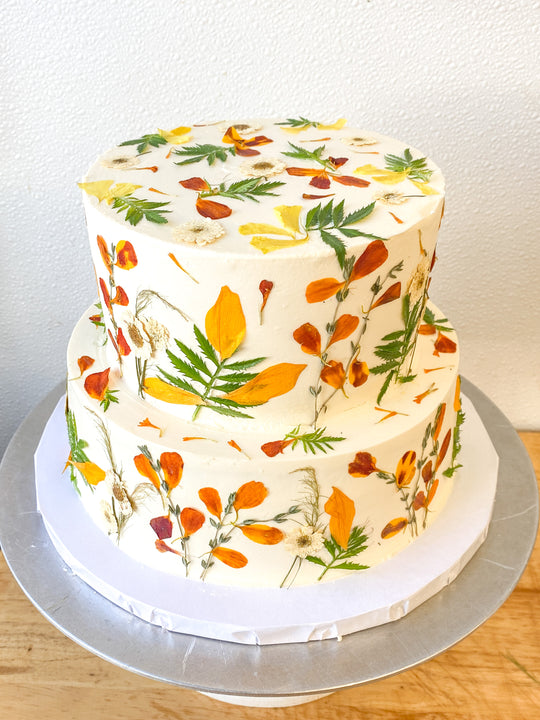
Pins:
<point x="157" y="334"/>
<point x="119" y="492"/>
<point x="200" y="232"/>
<point x="418" y="280"/>
<point x="243" y="128"/>
<point x="262" y="167"/>
<point x="108" y="516"/>
<point x="118" y="160"/>
<point x="138" y="338"/>
<point x="389" y="197"/>
<point x="304" y="541"/>
<point x="359" y="140"/>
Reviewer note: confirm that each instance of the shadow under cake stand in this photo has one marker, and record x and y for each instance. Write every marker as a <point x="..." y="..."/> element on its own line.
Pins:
<point x="282" y="674"/>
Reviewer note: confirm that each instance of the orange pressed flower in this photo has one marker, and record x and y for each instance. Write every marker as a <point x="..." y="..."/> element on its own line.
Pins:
<point x="85" y="362"/>
<point x="363" y="465"/>
<point x="271" y="449"/>
<point x="394" y="527"/>
<point x="341" y="509"/>
<point x="126" y="257"/>
<point x="373" y="257"/>
<point x="144" y="467"/>
<point x="333" y="374"/>
<point x="232" y="558"/>
<point x="444" y="448"/>
<point x="262" y="534"/>
<point x="96" y="384"/>
<point x="191" y="520"/>
<point x="406" y="469"/>
<point x="173" y="467"/>
<point x="250" y="495"/>
<point x="345" y="325"/>
<point x="244" y="146"/>
<point x="102" y="245"/>
<point x="211" y="499"/>
<point x="439" y="421"/>
<point x="358" y="373"/>
<point x="393" y="293"/>
<point x="309" y="339"/>
<point x="443" y="344"/>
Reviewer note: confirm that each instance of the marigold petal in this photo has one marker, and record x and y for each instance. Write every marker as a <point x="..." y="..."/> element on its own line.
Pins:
<point x="191" y="520"/>
<point x="172" y="465"/>
<point x="443" y="450"/>
<point x="363" y="465"/>
<point x="394" y="527"/>
<point x="309" y="339"/>
<point x="345" y="325"/>
<point x="250" y="495"/>
<point x="144" y="468"/>
<point x="96" y="384"/>
<point x="126" y="257"/>
<point x="271" y="382"/>
<point x="212" y="209"/>
<point x="320" y="290"/>
<point x="333" y="374"/>
<point x="232" y="558"/>
<point x="271" y="449"/>
<point x="406" y="469"/>
<point x="85" y="362"/>
<point x="358" y="373"/>
<point x="262" y="534"/>
<point x="225" y="323"/>
<point x="159" y="389"/>
<point x="393" y="293"/>
<point x="373" y="257"/>
<point x="341" y="509"/>
<point x="211" y="499"/>
<point x="91" y="472"/>
<point x="444" y="344"/>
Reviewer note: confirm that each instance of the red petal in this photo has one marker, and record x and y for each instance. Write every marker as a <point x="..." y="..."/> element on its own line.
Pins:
<point x="349" y="180"/>
<point x="195" y="183"/>
<point x="321" y="181"/>
<point x="212" y="209"/>
<point x="162" y="526"/>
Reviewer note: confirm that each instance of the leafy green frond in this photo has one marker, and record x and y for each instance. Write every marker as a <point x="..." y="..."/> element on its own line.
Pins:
<point x="250" y="188"/>
<point x="417" y="169"/>
<point x="313" y="441"/>
<point x="243" y="364"/>
<point x="186" y="369"/>
<point x="300" y="153"/>
<point x="178" y="382"/>
<point x="196" y="360"/>
<point x="210" y="153"/>
<point x="206" y="346"/>
<point x="137" y="208"/>
<point x="300" y="122"/>
<point x="153" y="139"/>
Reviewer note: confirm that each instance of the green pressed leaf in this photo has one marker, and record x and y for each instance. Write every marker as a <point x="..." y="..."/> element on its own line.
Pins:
<point x="195" y="359"/>
<point x="336" y="244"/>
<point x="300" y="122"/>
<point x="210" y="153"/>
<point x="358" y="215"/>
<point x="206" y="346"/>
<point x="154" y="140"/>
<point x="243" y="364"/>
<point x="316" y="560"/>
<point x="136" y="209"/>
<point x="178" y="382"/>
<point x="185" y="368"/>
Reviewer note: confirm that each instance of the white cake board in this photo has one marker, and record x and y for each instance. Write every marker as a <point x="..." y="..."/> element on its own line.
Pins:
<point x="270" y="675"/>
<point x="364" y="599"/>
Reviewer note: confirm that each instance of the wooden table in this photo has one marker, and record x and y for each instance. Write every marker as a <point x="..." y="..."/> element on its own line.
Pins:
<point x="494" y="673"/>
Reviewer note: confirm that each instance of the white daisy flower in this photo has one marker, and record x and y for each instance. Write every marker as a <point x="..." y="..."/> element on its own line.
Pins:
<point x="262" y="167"/>
<point x="138" y="337"/>
<point x="118" y="160"/>
<point x="359" y="140"/>
<point x="200" y="232"/>
<point x="243" y="128"/>
<point x="119" y="492"/>
<point x="389" y="197"/>
<point x="304" y="541"/>
<point x="157" y="334"/>
<point x="418" y="280"/>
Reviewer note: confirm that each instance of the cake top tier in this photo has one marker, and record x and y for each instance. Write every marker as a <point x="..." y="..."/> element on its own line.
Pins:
<point x="298" y="186"/>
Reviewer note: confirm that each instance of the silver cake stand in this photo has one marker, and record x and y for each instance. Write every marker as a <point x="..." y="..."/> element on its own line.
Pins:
<point x="270" y="675"/>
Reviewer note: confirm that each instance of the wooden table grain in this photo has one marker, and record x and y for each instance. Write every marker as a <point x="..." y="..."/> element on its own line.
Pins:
<point x="494" y="673"/>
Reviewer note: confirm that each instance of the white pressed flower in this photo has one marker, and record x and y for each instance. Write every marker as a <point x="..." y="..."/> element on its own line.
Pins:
<point x="200" y="232"/>
<point x="119" y="492"/>
<point x="418" y="280"/>
<point x="359" y="140"/>
<point x="303" y="541"/>
<point x="389" y="197"/>
<point x="157" y="334"/>
<point x="262" y="167"/>
<point x="108" y="515"/>
<point x="139" y="341"/>
<point x="116" y="159"/>
<point x="243" y="128"/>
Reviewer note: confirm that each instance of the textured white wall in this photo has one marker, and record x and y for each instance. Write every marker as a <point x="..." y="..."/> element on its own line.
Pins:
<point x="458" y="80"/>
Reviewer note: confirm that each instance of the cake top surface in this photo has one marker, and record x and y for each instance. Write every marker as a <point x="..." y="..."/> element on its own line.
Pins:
<point x="292" y="185"/>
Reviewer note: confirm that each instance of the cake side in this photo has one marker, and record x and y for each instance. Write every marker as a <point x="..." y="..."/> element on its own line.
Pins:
<point x="251" y="508"/>
<point x="275" y="309"/>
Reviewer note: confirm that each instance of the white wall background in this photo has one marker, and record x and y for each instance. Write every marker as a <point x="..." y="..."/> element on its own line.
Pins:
<point x="458" y="80"/>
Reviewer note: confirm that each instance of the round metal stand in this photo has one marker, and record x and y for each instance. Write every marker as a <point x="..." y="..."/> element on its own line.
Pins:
<point x="272" y="675"/>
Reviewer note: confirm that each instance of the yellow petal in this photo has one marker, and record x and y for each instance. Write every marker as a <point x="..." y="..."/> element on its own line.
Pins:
<point x="386" y="177"/>
<point x="425" y="188"/>
<point x="159" y="389"/>
<point x="289" y="216"/>
<point x="275" y="380"/>
<point x="99" y="188"/>
<point x="336" y="126"/>
<point x="122" y="189"/>
<point x="267" y="244"/>
<point x="177" y="136"/>
<point x="225" y="323"/>
<point x="255" y="228"/>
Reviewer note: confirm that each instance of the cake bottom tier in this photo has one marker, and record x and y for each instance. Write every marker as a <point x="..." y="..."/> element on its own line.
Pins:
<point x="243" y="509"/>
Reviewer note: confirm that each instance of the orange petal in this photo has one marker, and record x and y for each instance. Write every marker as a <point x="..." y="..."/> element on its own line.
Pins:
<point x="320" y="290"/>
<point x="122" y="344"/>
<point x="250" y="495"/>
<point x="162" y="546"/>
<point x="211" y="499"/>
<point x="120" y="297"/>
<point x="146" y="423"/>
<point x="225" y="323"/>
<point x="192" y="520"/>
<point x="341" y="511"/>
<point x="309" y="339"/>
<point x="232" y="558"/>
<point x="345" y="325"/>
<point x="212" y="209"/>
<point x="443" y="450"/>
<point x="373" y="257"/>
<point x="91" y="472"/>
<point x="443" y="344"/>
<point x="425" y="329"/>
<point x="406" y="469"/>
<point x="262" y="534"/>
<point x="363" y="465"/>
<point x="157" y="388"/>
<point x="105" y="294"/>
<point x="358" y="373"/>
<point x="393" y="293"/>
<point x="419" y="500"/>
<point x="85" y="362"/>
<point x="275" y="380"/>
<point x="302" y="172"/>
<point x="102" y="245"/>
<point x="144" y="467"/>
<point x="427" y="472"/>
<point x="349" y="180"/>
<point x="125" y="255"/>
<point x="195" y="183"/>
<point x="457" y="394"/>
<point x="439" y="421"/>
<point x="173" y="467"/>
<point x="321" y="180"/>
<point x="393" y="527"/>
<point x="275" y="447"/>
<point x="96" y="384"/>
<point x="333" y="374"/>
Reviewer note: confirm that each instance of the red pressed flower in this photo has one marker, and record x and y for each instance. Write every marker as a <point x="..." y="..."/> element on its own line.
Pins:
<point x="212" y="209"/>
<point x="126" y="258"/>
<point x="275" y="447"/>
<point x="122" y="346"/>
<point x="162" y="526"/>
<point x="105" y="294"/>
<point x="363" y="465"/>
<point x="103" y="251"/>
<point x="120" y="297"/>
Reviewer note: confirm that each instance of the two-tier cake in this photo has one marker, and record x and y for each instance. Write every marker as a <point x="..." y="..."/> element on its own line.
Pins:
<point x="263" y="395"/>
